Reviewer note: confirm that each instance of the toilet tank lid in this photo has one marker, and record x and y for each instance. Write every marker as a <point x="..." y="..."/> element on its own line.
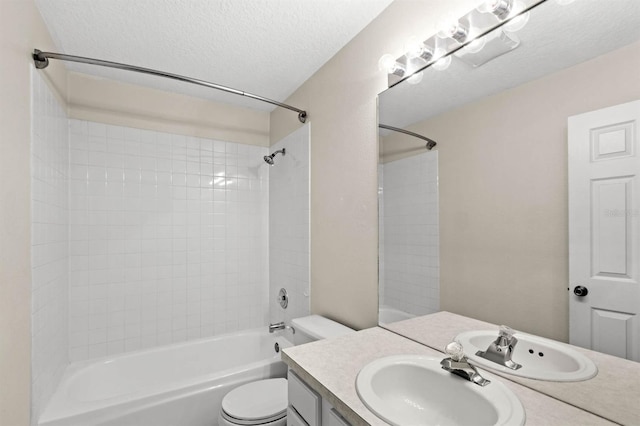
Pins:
<point x="319" y="327"/>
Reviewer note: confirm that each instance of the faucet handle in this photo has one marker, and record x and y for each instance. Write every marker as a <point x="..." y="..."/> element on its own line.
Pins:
<point x="506" y="331"/>
<point x="454" y="350"/>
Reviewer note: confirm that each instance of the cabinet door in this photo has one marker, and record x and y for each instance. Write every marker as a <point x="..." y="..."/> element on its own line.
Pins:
<point x="333" y="418"/>
<point x="304" y="400"/>
<point x="294" y="419"/>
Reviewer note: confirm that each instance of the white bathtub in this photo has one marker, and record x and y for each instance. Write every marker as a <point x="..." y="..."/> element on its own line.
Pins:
<point x="388" y="314"/>
<point x="177" y="385"/>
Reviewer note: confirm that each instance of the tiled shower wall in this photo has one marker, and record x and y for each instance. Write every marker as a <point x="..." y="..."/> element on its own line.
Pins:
<point x="381" y="287"/>
<point x="49" y="242"/>
<point x="289" y="226"/>
<point x="168" y="238"/>
<point x="411" y="234"/>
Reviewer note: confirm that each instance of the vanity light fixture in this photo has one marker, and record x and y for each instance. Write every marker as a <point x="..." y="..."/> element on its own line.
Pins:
<point x="520" y="20"/>
<point x="504" y="9"/>
<point x="417" y="49"/>
<point x="444" y="61"/>
<point x="415" y="78"/>
<point x="476" y="45"/>
<point x="472" y="38"/>
<point x="389" y="64"/>
<point x="500" y="8"/>
<point x="486" y="48"/>
<point x="455" y="30"/>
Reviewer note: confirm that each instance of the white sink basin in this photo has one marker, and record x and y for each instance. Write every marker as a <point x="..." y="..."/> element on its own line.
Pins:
<point x="415" y="390"/>
<point x="541" y="358"/>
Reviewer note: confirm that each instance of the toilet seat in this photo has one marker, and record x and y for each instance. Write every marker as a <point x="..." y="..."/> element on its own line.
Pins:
<point x="256" y="403"/>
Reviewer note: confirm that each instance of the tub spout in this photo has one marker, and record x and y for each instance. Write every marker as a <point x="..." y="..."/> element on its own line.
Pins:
<point x="281" y="326"/>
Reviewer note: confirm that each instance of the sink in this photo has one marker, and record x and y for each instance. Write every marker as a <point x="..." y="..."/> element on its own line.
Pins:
<point x="415" y="390"/>
<point x="541" y="358"/>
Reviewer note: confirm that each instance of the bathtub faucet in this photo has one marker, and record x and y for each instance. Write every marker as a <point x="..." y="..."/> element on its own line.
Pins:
<point x="280" y="326"/>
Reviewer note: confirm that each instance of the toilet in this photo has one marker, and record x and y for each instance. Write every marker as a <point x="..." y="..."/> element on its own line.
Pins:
<point x="264" y="402"/>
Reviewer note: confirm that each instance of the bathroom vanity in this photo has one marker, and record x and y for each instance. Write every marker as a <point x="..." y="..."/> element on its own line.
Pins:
<point x="328" y="368"/>
<point x="307" y="407"/>
<point x="613" y="393"/>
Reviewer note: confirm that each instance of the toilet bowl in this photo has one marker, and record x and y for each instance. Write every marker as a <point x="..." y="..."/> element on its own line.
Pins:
<point x="264" y="402"/>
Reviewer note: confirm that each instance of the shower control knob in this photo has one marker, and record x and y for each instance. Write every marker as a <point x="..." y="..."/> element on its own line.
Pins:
<point x="283" y="298"/>
<point x="580" y="291"/>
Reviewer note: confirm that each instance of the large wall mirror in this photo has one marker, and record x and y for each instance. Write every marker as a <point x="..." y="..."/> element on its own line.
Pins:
<point x="480" y="225"/>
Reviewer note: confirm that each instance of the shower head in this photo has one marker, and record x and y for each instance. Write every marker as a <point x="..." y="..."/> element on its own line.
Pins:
<point x="269" y="158"/>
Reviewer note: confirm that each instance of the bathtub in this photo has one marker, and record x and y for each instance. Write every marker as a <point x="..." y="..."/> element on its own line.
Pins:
<point x="388" y="314"/>
<point x="176" y="385"/>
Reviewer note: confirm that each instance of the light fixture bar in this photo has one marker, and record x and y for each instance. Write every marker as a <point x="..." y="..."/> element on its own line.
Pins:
<point x="41" y="60"/>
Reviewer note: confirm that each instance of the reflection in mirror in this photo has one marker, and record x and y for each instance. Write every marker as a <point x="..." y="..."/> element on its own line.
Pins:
<point x="480" y="225"/>
<point x="408" y="211"/>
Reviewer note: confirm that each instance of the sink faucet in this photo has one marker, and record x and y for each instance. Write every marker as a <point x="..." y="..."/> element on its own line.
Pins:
<point x="280" y="326"/>
<point x="459" y="365"/>
<point x="501" y="350"/>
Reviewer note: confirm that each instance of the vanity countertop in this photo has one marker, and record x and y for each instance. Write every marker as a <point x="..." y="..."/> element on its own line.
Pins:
<point x="330" y="367"/>
<point x="614" y="393"/>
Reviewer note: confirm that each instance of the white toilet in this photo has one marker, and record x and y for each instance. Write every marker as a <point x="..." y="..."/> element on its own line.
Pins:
<point x="264" y="402"/>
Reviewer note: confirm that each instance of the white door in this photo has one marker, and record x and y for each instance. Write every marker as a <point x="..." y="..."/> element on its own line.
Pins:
<point x="604" y="230"/>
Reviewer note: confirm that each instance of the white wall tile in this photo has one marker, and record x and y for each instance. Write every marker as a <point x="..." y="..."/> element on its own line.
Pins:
<point x="409" y="234"/>
<point x="50" y="242"/>
<point x="289" y="226"/>
<point x="157" y="233"/>
<point x="142" y="238"/>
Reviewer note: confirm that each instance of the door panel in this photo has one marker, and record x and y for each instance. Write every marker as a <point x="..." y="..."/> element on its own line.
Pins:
<point x="604" y="230"/>
<point x="611" y="332"/>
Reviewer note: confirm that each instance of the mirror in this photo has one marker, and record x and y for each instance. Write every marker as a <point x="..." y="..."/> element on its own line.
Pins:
<point x="479" y="225"/>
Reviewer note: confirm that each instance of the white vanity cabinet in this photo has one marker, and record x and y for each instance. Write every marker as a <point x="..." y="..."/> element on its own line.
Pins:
<point x="307" y="408"/>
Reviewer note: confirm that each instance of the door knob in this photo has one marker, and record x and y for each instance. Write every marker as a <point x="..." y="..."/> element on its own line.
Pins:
<point x="580" y="291"/>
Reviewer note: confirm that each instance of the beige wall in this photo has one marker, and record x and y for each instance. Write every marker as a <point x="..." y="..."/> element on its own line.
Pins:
<point x="341" y="101"/>
<point x="21" y="29"/>
<point x="108" y="101"/>
<point x="503" y="193"/>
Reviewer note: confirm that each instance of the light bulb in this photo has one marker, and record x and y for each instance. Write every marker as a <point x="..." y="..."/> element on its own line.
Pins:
<point x="519" y="21"/>
<point x="499" y="8"/>
<point x="476" y="45"/>
<point x="413" y="47"/>
<point x="444" y="61"/>
<point x="385" y="63"/>
<point x="452" y="28"/>
<point x="416" y="78"/>
<point x="389" y="64"/>
<point x="417" y="49"/>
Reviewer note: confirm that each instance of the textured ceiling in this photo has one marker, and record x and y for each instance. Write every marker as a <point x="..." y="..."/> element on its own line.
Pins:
<point x="266" y="47"/>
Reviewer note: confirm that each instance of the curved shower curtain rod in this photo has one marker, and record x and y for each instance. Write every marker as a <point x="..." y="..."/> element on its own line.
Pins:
<point x="41" y="60"/>
<point x="430" y="142"/>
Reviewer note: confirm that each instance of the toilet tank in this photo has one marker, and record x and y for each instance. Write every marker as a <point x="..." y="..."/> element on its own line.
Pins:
<point x="316" y="327"/>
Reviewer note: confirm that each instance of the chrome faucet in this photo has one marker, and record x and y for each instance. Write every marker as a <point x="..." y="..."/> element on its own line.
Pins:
<point x="459" y="365"/>
<point x="280" y="326"/>
<point x="501" y="350"/>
